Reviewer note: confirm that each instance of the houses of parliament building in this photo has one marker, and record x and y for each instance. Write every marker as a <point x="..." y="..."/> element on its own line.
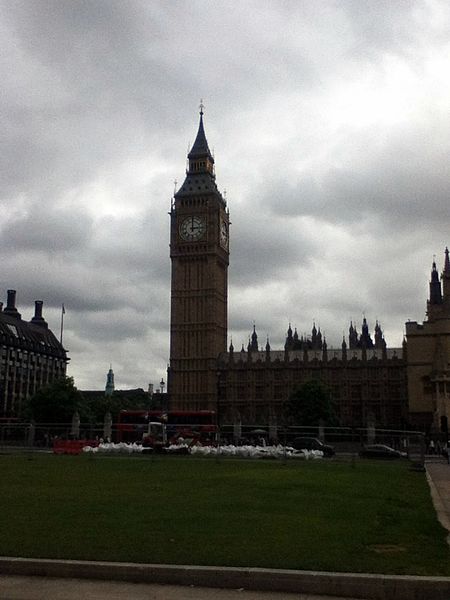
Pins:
<point x="400" y="387"/>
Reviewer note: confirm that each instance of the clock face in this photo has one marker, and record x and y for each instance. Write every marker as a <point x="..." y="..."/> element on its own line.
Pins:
<point x="224" y="234"/>
<point x="192" y="228"/>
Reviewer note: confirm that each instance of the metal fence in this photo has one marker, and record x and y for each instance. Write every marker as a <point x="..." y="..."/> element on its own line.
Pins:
<point x="41" y="436"/>
<point x="345" y="441"/>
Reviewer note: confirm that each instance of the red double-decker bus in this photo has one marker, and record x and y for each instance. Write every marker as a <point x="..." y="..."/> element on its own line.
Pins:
<point x="132" y="425"/>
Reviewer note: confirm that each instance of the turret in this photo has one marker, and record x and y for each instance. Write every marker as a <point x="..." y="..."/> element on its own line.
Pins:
<point x="254" y="341"/>
<point x="109" y="388"/>
<point x="289" y="339"/>
<point x="314" y="341"/>
<point x="352" y="337"/>
<point x="446" y="277"/>
<point x="365" y="341"/>
<point x="438" y="304"/>
<point x="435" y="286"/>
<point x="319" y="340"/>
<point x="378" y="336"/>
<point x="297" y="342"/>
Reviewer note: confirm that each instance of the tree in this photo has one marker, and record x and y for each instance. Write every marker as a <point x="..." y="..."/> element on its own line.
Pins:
<point x="56" y="403"/>
<point x="311" y="404"/>
<point x="98" y="404"/>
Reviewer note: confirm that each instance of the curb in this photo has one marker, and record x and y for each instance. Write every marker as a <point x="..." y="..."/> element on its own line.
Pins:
<point x="353" y="585"/>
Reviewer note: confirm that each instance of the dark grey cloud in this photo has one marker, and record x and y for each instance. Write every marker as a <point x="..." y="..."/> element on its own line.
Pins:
<point x="44" y="230"/>
<point x="330" y="128"/>
<point x="266" y="247"/>
<point x="405" y="179"/>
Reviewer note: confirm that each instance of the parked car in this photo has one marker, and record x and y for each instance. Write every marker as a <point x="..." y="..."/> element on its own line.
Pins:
<point x="381" y="451"/>
<point x="310" y="443"/>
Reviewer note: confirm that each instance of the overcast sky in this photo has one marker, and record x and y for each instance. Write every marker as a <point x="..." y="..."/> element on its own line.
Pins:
<point x="330" y="125"/>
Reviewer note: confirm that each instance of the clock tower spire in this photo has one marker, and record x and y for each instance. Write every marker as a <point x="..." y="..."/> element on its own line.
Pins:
<point x="199" y="252"/>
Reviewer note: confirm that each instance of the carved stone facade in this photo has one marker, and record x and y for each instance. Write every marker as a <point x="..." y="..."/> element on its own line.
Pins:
<point x="199" y="238"/>
<point x="429" y="357"/>
<point x="368" y="384"/>
<point x="371" y="383"/>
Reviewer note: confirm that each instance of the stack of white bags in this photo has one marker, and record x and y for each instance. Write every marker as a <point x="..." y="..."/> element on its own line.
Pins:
<point x="226" y="450"/>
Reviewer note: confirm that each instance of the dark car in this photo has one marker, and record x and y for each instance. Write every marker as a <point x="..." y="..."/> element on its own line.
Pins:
<point x="381" y="451"/>
<point x="310" y="443"/>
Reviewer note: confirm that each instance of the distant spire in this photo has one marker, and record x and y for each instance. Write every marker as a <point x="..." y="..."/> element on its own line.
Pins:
<point x="289" y="341"/>
<point x="435" y="285"/>
<point x="378" y="336"/>
<point x="352" y="337"/>
<point x="365" y="327"/>
<point x="109" y="388"/>
<point x="445" y="280"/>
<point x="253" y="346"/>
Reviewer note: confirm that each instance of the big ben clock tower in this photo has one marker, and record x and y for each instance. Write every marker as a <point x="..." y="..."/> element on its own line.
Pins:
<point x="199" y="251"/>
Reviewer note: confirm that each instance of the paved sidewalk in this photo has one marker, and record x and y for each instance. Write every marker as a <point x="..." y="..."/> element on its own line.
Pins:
<point x="41" y="588"/>
<point x="438" y="475"/>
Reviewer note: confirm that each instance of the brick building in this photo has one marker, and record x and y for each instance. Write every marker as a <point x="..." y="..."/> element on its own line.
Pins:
<point x="31" y="356"/>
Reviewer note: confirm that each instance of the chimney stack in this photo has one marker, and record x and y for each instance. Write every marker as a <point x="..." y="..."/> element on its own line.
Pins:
<point x="38" y="319"/>
<point x="11" y="309"/>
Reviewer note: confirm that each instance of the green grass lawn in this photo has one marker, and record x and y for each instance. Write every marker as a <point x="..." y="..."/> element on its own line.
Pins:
<point x="324" y="515"/>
